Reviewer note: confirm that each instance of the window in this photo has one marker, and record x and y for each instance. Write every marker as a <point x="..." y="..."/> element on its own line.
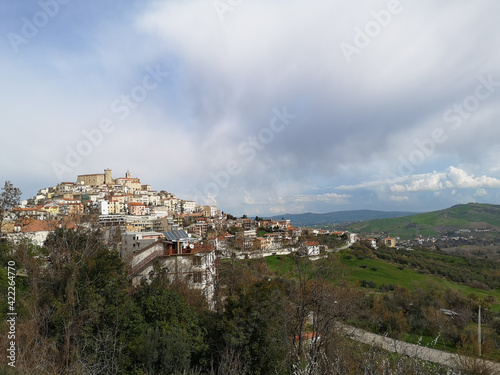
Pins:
<point x="196" y="261"/>
<point x="197" y="279"/>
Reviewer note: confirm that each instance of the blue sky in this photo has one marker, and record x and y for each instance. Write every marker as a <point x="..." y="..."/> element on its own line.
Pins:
<point x="261" y="107"/>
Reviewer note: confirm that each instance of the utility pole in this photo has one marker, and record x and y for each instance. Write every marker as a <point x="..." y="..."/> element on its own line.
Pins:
<point x="479" y="331"/>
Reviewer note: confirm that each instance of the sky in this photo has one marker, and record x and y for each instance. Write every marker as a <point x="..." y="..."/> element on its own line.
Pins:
<point x="259" y="107"/>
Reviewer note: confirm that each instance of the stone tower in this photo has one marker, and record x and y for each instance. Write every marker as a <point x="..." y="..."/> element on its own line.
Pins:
<point x="108" y="180"/>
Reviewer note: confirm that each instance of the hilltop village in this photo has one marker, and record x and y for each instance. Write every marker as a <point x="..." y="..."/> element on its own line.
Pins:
<point x="151" y="228"/>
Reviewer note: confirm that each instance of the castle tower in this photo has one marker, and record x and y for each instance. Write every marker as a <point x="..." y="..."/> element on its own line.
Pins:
<point x="108" y="180"/>
<point x="127" y="175"/>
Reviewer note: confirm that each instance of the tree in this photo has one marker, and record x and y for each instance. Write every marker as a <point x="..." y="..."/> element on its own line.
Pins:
<point x="254" y="332"/>
<point x="317" y="300"/>
<point x="9" y="198"/>
<point x="74" y="316"/>
<point x="172" y="338"/>
<point x="85" y="292"/>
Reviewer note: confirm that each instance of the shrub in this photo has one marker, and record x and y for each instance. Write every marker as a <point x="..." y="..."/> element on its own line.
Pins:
<point x="368" y="284"/>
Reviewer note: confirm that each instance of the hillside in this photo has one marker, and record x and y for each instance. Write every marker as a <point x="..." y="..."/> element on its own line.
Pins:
<point x="480" y="219"/>
<point x="310" y="219"/>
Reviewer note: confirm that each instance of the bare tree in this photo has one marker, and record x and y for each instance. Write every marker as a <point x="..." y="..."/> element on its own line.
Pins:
<point x="232" y="363"/>
<point x="9" y="198"/>
<point x="317" y="302"/>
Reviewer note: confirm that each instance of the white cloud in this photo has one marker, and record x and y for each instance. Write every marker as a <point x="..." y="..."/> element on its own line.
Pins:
<point x="481" y="193"/>
<point x="248" y="199"/>
<point x="398" y="198"/>
<point x="425" y="183"/>
<point x="454" y="178"/>
<point x="461" y="179"/>
<point x="329" y="197"/>
<point x="277" y="210"/>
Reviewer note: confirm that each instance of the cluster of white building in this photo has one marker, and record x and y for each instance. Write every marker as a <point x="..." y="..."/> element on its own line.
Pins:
<point x="157" y="231"/>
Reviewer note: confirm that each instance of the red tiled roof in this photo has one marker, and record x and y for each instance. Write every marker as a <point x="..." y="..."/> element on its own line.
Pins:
<point x="311" y="243"/>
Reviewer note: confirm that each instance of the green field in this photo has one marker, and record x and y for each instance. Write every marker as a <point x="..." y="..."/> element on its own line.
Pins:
<point x="386" y="273"/>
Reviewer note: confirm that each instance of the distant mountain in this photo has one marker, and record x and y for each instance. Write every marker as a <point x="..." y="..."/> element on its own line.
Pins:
<point x="310" y="219"/>
<point x="479" y="219"/>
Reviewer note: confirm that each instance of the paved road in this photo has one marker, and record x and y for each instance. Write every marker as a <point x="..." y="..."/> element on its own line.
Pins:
<point x="341" y="248"/>
<point x="414" y="351"/>
<point x="284" y="251"/>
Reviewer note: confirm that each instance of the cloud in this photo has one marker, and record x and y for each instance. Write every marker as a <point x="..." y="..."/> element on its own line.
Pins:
<point x="481" y="193"/>
<point x="460" y="179"/>
<point x="248" y="199"/>
<point x="398" y="198"/>
<point x="329" y="197"/>
<point x="454" y="178"/>
<point x="354" y="120"/>
<point x="421" y="183"/>
<point x="247" y="70"/>
<point x="277" y="210"/>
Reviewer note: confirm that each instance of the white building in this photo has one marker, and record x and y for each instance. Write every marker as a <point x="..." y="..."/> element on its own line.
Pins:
<point x="103" y="207"/>
<point x="311" y="248"/>
<point x="194" y="263"/>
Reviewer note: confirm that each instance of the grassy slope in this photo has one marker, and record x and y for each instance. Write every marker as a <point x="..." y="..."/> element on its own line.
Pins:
<point x="390" y="274"/>
<point x="386" y="273"/>
<point x="464" y="216"/>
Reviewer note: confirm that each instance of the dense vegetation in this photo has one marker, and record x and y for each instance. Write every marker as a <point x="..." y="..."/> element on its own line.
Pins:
<point x="77" y="313"/>
<point x="476" y="273"/>
<point x="474" y="282"/>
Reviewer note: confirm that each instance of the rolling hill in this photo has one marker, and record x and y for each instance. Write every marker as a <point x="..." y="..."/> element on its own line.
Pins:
<point x="476" y="217"/>
<point x="310" y="219"/>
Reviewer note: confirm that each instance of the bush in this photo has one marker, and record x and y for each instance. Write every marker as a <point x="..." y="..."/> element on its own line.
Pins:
<point x="478" y="285"/>
<point x="368" y="284"/>
<point x="383" y="288"/>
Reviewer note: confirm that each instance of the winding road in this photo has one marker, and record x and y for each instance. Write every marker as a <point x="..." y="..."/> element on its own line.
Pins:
<point x="416" y="351"/>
